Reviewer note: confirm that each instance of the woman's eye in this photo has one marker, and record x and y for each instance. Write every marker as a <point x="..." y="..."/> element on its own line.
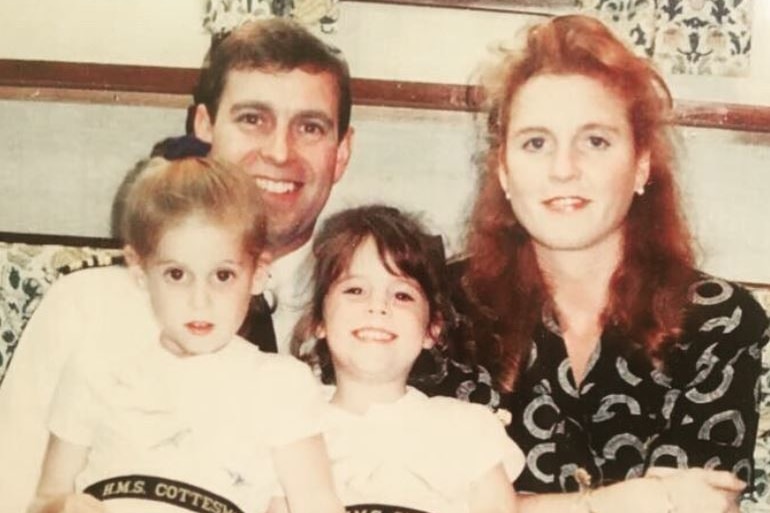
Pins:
<point x="224" y="275"/>
<point x="534" y="144"/>
<point x="175" y="274"/>
<point x="598" y="142"/>
<point x="353" y="291"/>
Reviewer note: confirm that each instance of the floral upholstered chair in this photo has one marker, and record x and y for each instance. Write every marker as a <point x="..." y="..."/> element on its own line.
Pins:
<point x="26" y="272"/>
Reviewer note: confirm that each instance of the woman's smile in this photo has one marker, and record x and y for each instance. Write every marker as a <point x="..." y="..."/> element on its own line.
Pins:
<point x="566" y="203"/>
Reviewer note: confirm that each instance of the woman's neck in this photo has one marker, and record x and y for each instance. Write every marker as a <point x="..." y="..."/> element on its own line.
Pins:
<point x="579" y="282"/>
<point x="580" y="279"/>
<point x="356" y="396"/>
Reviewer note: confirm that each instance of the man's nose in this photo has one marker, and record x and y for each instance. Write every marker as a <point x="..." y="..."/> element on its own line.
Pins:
<point x="276" y="145"/>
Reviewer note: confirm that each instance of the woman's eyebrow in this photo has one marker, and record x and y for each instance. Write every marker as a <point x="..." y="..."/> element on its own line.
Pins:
<point x="524" y="130"/>
<point x="598" y="125"/>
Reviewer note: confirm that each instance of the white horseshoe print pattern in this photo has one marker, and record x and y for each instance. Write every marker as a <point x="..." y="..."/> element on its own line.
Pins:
<point x="698" y="409"/>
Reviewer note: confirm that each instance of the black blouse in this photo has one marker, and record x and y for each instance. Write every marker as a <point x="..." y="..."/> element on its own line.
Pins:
<point x="626" y="415"/>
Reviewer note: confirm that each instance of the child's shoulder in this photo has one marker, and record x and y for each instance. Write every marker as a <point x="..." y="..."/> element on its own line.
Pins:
<point x="450" y="411"/>
<point x="271" y="365"/>
<point x="473" y="432"/>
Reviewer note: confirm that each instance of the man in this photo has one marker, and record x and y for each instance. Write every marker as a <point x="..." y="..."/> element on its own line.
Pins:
<point x="273" y="99"/>
<point x="276" y="101"/>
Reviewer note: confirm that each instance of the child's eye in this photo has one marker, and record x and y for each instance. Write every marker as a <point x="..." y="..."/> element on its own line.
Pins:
<point x="404" y="296"/>
<point x="174" y="274"/>
<point x="224" y="275"/>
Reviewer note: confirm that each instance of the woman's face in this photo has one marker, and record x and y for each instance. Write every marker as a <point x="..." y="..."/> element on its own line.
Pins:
<point x="569" y="165"/>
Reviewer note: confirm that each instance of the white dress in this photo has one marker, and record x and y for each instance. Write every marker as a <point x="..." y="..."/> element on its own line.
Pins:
<point x="418" y="452"/>
<point x="203" y="424"/>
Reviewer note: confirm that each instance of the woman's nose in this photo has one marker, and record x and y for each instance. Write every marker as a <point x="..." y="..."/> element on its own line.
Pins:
<point x="564" y="165"/>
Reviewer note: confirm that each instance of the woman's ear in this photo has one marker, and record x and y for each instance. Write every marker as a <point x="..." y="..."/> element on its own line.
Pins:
<point x="502" y="173"/>
<point x="319" y="332"/>
<point x="642" y="171"/>
<point x="134" y="264"/>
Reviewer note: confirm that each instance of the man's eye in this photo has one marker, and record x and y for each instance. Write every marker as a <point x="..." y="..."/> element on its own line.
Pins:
<point x="174" y="274"/>
<point x="251" y="118"/>
<point x="225" y="275"/>
<point x="313" y="128"/>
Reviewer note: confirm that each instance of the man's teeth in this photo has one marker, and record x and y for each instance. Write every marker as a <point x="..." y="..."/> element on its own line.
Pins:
<point x="276" y="186"/>
<point x="374" y="335"/>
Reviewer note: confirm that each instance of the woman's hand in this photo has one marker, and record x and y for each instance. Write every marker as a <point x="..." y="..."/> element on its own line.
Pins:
<point x="698" y="490"/>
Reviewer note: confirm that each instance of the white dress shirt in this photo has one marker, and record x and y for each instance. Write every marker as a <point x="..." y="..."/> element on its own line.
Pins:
<point x="288" y="288"/>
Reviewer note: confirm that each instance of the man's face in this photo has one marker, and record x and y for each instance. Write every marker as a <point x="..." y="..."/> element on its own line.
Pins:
<point x="281" y="128"/>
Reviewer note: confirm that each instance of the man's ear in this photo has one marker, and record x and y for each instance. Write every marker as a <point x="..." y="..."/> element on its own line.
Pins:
<point x="134" y="264"/>
<point x="203" y="124"/>
<point x="344" y="149"/>
<point x="261" y="273"/>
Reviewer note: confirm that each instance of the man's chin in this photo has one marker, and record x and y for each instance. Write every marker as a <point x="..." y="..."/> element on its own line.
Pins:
<point x="285" y="239"/>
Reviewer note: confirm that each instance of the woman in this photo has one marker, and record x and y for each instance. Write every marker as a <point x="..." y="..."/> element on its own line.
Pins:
<point x="622" y="358"/>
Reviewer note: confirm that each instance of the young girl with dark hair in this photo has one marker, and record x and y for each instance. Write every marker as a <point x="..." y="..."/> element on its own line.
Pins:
<point x="379" y="300"/>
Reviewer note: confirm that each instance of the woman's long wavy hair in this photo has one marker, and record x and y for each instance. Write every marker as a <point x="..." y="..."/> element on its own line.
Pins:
<point x="648" y="290"/>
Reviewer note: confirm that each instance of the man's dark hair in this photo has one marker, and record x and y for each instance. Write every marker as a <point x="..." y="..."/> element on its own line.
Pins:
<point x="274" y="44"/>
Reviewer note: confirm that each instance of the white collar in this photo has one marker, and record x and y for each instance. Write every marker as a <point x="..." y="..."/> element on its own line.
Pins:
<point x="412" y="400"/>
<point x="289" y="276"/>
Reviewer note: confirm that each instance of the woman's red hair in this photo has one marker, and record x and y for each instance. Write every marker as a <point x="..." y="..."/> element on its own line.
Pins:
<point x="648" y="290"/>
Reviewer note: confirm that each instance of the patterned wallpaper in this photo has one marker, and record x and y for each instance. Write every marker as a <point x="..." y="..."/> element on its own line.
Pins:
<point x="701" y="37"/>
<point x="225" y="15"/>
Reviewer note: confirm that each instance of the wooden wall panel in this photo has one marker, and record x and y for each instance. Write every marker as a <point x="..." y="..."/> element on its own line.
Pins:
<point x="172" y="87"/>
